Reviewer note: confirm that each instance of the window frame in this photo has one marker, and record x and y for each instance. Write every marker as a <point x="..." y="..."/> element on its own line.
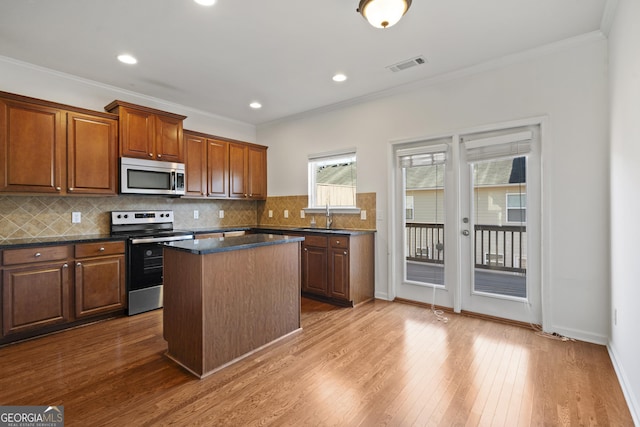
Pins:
<point x="328" y="158"/>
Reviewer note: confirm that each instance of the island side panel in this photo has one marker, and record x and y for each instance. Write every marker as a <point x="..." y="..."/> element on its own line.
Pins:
<point x="251" y="297"/>
<point x="362" y="267"/>
<point x="182" y="313"/>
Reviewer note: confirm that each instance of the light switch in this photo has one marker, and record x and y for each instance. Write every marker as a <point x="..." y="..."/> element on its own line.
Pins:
<point x="301" y="214"/>
<point x="270" y="213"/>
<point x="196" y="214"/>
<point x="286" y="213"/>
<point x="363" y="215"/>
<point x="221" y="214"/>
<point x="76" y="217"/>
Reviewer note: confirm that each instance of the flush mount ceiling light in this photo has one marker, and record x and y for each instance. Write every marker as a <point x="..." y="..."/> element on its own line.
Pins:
<point x="205" y="2"/>
<point x="255" y="105"/>
<point x="383" y="13"/>
<point x="127" y="59"/>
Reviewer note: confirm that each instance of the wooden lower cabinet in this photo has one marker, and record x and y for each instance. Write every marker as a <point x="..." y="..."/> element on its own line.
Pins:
<point x="339" y="269"/>
<point x="41" y="294"/>
<point x="99" y="280"/>
<point x="35" y="296"/>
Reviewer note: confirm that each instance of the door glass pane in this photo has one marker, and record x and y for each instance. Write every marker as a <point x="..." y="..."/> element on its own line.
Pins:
<point x="499" y="212"/>
<point x="424" y="223"/>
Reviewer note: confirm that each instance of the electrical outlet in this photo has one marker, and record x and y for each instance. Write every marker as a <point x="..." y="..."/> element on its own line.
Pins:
<point x="76" y="217"/>
<point x="286" y="213"/>
<point x="302" y="214"/>
<point x="270" y="213"/>
<point x="363" y="215"/>
<point x="196" y="214"/>
<point x="221" y="213"/>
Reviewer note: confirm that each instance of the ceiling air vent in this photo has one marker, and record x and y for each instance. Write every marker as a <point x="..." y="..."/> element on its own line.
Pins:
<point x="401" y="66"/>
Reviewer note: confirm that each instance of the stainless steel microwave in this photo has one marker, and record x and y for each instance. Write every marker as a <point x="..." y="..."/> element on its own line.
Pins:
<point x="139" y="176"/>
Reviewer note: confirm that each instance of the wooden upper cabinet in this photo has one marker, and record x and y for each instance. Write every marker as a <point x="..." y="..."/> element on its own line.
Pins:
<point x="92" y="154"/>
<point x="147" y="133"/>
<point x="32" y="142"/>
<point x="217" y="168"/>
<point x="247" y="171"/>
<point x="225" y="169"/>
<point x="195" y="149"/>
<point x="257" y="172"/>
<point x="51" y="148"/>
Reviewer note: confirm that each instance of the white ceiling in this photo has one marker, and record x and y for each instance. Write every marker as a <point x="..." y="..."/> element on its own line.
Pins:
<point x="282" y="53"/>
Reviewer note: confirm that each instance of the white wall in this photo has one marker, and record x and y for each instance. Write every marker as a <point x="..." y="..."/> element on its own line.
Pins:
<point x="26" y="79"/>
<point x="568" y="86"/>
<point x="624" y="45"/>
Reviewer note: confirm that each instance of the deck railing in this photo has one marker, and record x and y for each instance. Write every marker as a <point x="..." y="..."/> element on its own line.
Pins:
<point x="497" y="247"/>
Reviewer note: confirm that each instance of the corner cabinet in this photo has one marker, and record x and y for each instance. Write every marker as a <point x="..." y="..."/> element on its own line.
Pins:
<point x="147" y="133"/>
<point x="222" y="168"/>
<point x="50" y="148"/>
<point x="338" y="268"/>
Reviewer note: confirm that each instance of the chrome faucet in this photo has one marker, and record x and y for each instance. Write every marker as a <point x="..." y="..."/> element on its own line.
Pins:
<point x="329" y="219"/>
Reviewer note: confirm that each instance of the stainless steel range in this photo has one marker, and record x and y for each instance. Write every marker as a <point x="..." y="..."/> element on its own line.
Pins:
<point x="144" y="230"/>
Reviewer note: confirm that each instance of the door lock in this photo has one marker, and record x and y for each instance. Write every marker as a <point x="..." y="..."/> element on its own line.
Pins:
<point x="465" y="232"/>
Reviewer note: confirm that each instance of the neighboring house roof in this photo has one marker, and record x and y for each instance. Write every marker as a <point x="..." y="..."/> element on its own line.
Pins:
<point x="497" y="172"/>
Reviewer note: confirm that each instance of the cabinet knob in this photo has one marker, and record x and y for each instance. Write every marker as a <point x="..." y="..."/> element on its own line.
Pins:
<point x="71" y="189"/>
<point x="150" y="154"/>
<point x="101" y="249"/>
<point x="159" y="155"/>
<point x="65" y="266"/>
<point x="79" y="264"/>
<point x="345" y="252"/>
<point x="58" y="189"/>
<point x="337" y="242"/>
<point x="38" y="254"/>
<point x="305" y="249"/>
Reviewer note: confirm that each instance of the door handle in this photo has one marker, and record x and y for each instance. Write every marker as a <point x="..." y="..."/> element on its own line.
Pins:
<point x="465" y="232"/>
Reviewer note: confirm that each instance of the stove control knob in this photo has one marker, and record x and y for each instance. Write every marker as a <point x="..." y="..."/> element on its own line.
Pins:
<point x="118" y="216"/>
<point x="126" y="216"/>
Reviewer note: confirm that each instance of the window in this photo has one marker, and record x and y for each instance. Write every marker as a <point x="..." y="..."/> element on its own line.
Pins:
<point x="332" y="180"/>
<point x="408" y="208"/>
<point x="517" y="207"/>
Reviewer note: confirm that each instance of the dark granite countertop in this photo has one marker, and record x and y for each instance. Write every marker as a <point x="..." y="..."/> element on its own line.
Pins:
<point x="53" y="241"/>
<point x="310" y="230"/>
<point x="225" y="244"/>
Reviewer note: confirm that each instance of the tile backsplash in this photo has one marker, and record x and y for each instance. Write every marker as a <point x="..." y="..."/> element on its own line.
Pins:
<point x="44" y="216"/>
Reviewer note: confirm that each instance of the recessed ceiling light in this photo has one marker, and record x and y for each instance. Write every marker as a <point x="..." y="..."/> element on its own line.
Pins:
<point x="205" y="2"/>
<point x="255" y="105"/>
<point x="339" y="77"/>
<point x="127" y="59"/>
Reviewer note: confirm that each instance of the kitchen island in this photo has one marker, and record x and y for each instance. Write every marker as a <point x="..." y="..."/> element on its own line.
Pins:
<point x="225" y="298"/>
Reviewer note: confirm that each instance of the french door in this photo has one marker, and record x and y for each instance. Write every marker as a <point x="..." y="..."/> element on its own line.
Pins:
<point x="467" y="222"/>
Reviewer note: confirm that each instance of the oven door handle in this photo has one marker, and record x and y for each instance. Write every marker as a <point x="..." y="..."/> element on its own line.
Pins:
<point x="160" y="239"/>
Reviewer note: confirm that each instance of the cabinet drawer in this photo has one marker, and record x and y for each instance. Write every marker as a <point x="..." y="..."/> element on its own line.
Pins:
<point x="318" y="241"/>
<point x="84" y="250"/>
<point x="37" y="254"/>
<point x="339" y="242"/>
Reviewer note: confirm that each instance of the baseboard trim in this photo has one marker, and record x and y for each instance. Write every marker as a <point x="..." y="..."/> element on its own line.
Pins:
<point x="629" y="395"/>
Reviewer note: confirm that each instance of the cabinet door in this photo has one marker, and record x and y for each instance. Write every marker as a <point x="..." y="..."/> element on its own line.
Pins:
<point x="168" y="139"/>
<point x="32" y="141"/>
<point x="339" y="273"/>
<point x="218" y="168"/>
<point x="99" y="285"/>
<point x="92" y="153"/>
<point x="136" y="133"/>
<point x="257" y="172"/>
<point x="237" y="171"/>
<point x="314" y="270"/>
<point x="34" y="297"/>
<point x="195" y="165"/>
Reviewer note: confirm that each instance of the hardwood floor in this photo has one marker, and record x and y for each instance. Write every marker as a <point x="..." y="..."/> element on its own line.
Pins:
<point x="381" y="363"/>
